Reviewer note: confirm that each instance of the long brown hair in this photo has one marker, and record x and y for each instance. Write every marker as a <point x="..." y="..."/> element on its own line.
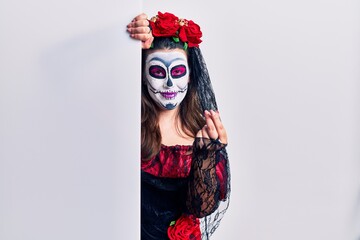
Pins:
<point x="190" y="113"/>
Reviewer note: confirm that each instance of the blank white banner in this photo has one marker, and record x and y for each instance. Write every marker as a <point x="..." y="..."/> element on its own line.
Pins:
<point x="69" y="120"/>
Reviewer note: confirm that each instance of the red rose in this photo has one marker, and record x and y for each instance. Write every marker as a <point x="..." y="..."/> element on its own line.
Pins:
<point x="182" y="34"/>
<point x="187" y="227"/>
<point x="191" y="34"/>
<point x="165" y="25"/>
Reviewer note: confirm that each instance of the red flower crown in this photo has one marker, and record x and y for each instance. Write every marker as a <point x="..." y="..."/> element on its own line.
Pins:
<point x="180" y="29"/>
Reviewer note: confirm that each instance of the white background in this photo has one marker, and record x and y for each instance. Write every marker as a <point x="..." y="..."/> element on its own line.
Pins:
<point x="286" y="76"/>
<point x="287" y="79"/>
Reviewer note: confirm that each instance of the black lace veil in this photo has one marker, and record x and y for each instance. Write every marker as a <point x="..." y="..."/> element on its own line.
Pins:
<point x="199" y="74"/>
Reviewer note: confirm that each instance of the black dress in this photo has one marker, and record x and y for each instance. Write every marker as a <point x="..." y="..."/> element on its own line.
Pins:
<point x="186" y="187"/>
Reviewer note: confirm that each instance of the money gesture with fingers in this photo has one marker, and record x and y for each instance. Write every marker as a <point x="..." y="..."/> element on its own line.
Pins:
<point x="214" y="129"/>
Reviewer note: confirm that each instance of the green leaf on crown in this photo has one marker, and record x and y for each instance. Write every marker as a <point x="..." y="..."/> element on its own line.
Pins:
<point x="176" y="39"/>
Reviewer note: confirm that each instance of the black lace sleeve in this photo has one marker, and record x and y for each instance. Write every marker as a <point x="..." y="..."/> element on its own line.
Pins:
<point x="209" y="183"/>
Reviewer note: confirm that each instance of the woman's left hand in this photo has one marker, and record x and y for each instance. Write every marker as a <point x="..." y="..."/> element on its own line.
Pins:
<point x="214" y="129"/>
<point x="139" y="29"/>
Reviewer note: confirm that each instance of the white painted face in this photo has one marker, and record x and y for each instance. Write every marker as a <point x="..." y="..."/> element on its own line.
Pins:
<point x="167" y="75"/>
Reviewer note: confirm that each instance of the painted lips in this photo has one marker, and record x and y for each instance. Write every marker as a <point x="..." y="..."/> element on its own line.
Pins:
<point x="169" y="95"/>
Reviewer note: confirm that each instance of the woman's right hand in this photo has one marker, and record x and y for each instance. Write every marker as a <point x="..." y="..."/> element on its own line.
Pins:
<point x="139" y="29"/>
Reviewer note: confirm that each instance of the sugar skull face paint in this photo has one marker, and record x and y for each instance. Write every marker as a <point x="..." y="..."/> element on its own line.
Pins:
<point x="167" y="75"/>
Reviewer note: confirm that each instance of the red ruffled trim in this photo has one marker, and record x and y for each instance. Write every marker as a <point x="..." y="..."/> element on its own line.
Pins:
<point x="175" y="162"/>
<point x="171" y="161"/>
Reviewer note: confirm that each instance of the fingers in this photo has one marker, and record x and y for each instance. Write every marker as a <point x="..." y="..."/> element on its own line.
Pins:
<point x="146" y="39"/>
<point x="204" y="132"/>
<point x="140" y="17"/>
<point x="139" y="20"/>
<point x="214" y="129"/>
<point x="139" y="29"/>
<point x="210" y="126"/>
<point x="219" y="127"/>
<point x="138" y="26"/>
<point x="141" y="36"/>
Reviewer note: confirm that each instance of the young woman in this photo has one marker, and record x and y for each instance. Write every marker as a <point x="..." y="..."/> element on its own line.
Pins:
<point x="185" y="178"/>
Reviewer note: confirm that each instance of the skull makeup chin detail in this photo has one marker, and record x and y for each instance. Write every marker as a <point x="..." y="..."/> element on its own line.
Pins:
<point x="167" y="75"/>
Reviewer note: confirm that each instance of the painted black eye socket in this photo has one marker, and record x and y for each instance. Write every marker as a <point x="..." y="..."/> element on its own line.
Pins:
<point x="178" y="71"/>
<point x="157" y="72"/>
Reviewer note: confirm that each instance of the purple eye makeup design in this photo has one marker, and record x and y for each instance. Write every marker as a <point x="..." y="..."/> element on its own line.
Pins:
<point x="157" y="72"/>
<point x="178" y="71"/>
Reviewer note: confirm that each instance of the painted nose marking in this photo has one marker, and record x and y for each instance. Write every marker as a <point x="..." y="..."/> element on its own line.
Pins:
<point x="169" y="83"/>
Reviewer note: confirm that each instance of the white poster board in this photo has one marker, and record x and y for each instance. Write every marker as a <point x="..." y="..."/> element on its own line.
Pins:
<point x="69" y="120"/>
